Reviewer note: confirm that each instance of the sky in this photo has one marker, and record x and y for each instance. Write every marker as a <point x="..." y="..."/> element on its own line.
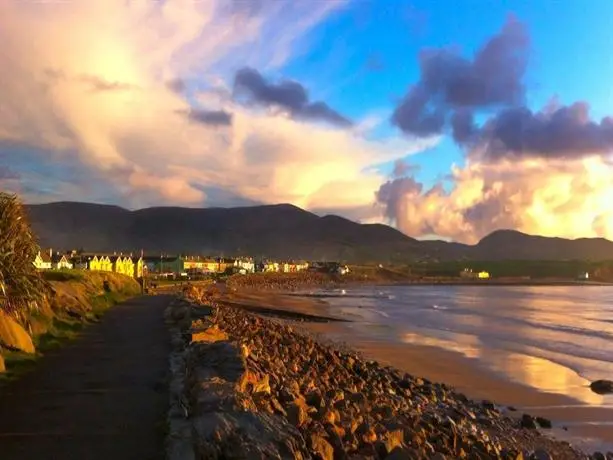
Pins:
<point x="443" y="119"/>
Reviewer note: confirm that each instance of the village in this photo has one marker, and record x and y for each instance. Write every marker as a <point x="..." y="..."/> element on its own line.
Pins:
<point x="174" y="267"/>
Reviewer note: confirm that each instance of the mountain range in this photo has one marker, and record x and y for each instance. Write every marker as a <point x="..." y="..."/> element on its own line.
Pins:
<point x="278" y="231"/>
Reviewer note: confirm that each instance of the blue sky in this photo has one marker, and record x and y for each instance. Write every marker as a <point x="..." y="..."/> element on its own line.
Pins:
<point x="569" y="56"/>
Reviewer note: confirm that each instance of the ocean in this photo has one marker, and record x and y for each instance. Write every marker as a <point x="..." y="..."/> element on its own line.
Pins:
<point x="552" y="338"/>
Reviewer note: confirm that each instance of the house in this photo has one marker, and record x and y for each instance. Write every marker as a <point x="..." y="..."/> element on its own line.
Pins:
<point x="61" y="262"/>
<point x="122" y="265"/>
<point x="225" y="264"/>
<point x="100" y="263"/>
<point x="302" y="265"/>
<point x="468" y="273"/>
<point x="42" y="261"/>
<point x="197" y="264"/>
<point x="94" y="264"/>
<point x="342" y="269"/>
<point x="139" y="268"/>
<point x="163" y="264"/>
<point x="244" y="264"/>
<point x="270" y="266"/>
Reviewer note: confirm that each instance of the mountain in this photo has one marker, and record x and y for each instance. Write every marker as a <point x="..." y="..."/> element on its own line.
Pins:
<point x="279" y="231"/>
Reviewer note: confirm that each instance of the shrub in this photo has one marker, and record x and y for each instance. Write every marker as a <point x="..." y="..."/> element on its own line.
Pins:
<point x="21" y="286"/>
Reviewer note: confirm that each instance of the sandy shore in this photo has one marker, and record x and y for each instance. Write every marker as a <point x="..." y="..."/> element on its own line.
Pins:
<point x="575" y="421"/>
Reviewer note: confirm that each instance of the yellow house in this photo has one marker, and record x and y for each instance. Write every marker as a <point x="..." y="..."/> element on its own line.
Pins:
<point x="122" y="264"/>
<point x="271" y="266"/>
<point x="94" y="264"/>
<point x="483" y="275"/>
<point x="139" y="268"/>
<point x="42" y="261"/>
<point x="101" y="263"/>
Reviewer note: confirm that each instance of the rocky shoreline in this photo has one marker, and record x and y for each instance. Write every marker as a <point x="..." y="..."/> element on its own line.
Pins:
<point x="251" y="387"/>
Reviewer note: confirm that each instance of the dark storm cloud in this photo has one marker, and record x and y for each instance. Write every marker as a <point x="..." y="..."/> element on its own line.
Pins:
<point x="209" y="117"/>
<point x="452" y="90"/>
<point x="566" y="131"/>
<point x="287" y="94"/>
<point x="450" y="82"/>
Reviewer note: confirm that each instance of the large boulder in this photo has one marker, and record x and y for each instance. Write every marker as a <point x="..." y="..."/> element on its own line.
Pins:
<point x="602" y="387"/>
<point x="13" y="336"/>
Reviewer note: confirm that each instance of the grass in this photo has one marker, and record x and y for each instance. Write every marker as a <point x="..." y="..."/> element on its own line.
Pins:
<point x="21" y="286"/>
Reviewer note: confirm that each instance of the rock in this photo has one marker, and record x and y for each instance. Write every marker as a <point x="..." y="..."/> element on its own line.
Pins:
<point x="297" y="413"/>
<point x="321" y="447"/>
<point x="212" y="334"/>
<point x="403" y="453"/>
<point x="527" y="421"/>
<point x="488" y="404"/>
<point x="13" y="336"/>
<point x="543" y="422"/>
<point x="393" y="439"/>
<point x="602" y="387"/>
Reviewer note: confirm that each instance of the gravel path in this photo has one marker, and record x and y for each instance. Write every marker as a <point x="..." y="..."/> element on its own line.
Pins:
<point x="102" y="396"/>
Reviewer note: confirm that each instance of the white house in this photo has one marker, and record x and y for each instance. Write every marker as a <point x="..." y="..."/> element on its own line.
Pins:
<point x="244" y="264"/>
<point x="61" y="262"/>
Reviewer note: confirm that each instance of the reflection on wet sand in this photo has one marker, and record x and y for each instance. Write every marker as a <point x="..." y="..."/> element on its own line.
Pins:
<point x="537" y="373"/>
<point x="545" y="375"/>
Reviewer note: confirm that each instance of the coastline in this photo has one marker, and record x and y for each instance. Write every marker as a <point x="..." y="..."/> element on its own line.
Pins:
<point x="283" y="283"/>
<point x="574" y="421"/>
<point x="249" y="386"/>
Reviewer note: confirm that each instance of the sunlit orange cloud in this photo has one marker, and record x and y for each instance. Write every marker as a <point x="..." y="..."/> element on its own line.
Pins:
<point x="88" y="82"/>
<point x="545" y="197"/>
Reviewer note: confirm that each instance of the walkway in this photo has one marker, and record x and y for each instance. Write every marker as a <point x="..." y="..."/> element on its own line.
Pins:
<point x="102" y="396"/>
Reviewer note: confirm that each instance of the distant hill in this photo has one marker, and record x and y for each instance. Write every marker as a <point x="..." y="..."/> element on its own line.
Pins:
<point x="280" y="231"/>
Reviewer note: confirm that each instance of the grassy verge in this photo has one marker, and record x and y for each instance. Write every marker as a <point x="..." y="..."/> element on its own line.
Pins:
<point x="79" y="299"/>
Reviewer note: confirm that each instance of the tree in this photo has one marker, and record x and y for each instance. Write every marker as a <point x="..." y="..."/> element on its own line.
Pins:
<point x="21" y="285"/>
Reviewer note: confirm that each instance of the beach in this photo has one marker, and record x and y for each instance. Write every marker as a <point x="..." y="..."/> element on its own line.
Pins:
<point x="528" y="384"/>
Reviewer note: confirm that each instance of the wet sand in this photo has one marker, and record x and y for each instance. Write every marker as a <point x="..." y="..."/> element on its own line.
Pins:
<point x="582" y="416"/>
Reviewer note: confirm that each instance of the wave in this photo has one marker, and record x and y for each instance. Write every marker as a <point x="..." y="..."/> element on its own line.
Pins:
<point x="341" y="295"/>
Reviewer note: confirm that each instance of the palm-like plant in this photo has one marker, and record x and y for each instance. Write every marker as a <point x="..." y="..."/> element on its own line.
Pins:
<point x="21" y="286"/>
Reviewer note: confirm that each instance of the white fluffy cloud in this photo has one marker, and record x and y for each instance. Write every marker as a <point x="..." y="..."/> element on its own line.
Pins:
<point x="88" y="83"/>
<point x="551" y="198"/>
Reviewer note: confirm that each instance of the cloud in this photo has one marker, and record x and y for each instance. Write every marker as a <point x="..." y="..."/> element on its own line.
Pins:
<point x="289" y="95"/>
<point x="209" y="117"/>
<point x="139" y="95"/>
<point x="450" y="82"/>
<point x="452" y="90"/>
<point x="572" y="199"/>
<point x="566" y="132"/>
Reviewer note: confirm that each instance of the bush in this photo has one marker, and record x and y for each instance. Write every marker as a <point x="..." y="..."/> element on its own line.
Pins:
<point x="21" y="286"/>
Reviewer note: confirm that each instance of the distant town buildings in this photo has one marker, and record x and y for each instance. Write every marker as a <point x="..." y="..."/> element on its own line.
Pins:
<point x="468" y="273"/>
<point x="170" y="266"/>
